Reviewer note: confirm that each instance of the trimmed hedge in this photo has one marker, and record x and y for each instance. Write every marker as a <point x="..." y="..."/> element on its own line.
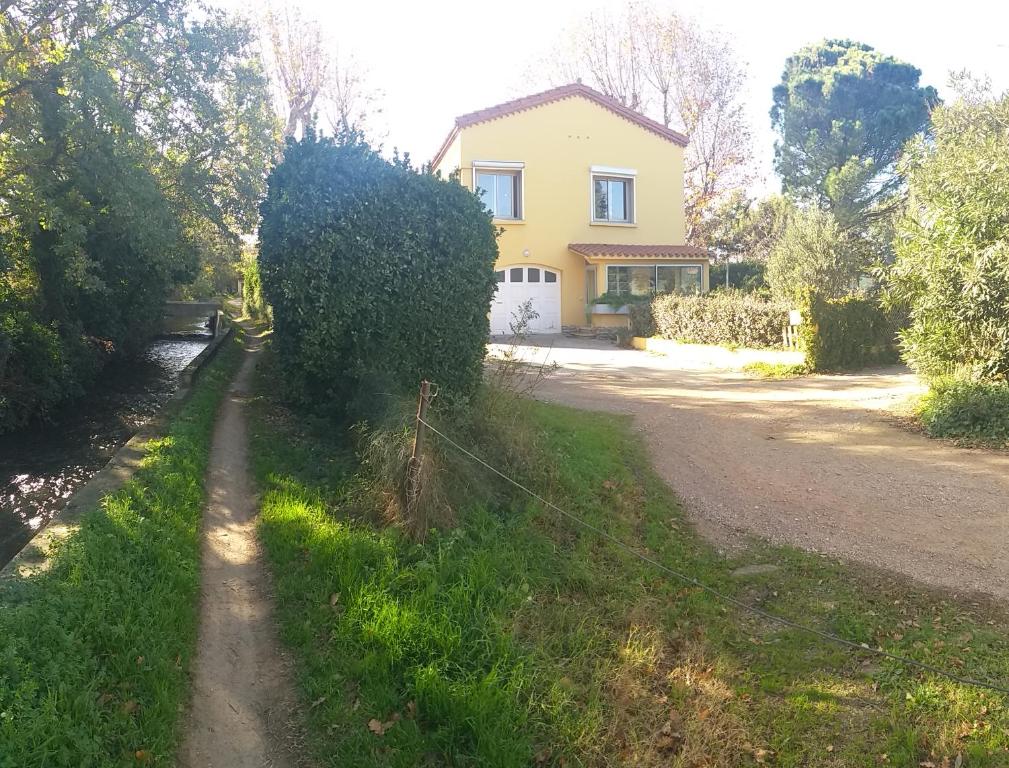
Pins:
<point x="379" y="276"/>
<point x="846" y="334"/>
<point x="725" y="317"/>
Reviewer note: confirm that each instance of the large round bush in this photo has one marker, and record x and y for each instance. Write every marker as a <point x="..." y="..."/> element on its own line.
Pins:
<point x="379" y="276"/>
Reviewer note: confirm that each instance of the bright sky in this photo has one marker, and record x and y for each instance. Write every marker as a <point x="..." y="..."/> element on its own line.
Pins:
<point x="440" y="58"/>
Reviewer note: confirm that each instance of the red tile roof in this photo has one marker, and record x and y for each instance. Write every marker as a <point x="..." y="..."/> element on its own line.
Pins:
<point x="548" y="97"/>
<point x="627" y="251"/>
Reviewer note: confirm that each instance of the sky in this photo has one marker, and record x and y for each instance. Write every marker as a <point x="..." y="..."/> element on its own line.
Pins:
<point x="441" y="58"/>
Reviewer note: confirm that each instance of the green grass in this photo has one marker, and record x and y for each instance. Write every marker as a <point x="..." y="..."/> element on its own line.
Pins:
<point x="516" y="639"/>
<point x="762" y="370"/>
<point x="94" y="652"/>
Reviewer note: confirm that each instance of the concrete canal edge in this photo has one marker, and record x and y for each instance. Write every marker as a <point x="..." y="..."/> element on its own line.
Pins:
<point x="33" y="557"/>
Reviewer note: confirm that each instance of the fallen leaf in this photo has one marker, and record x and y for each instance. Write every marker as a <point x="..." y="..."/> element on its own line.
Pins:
<point x="334" y="599"/>
<point x="830" y="747"/>
<point x="104" y="699"/>
<point x="959" y="760"/>
<point x="129" y="706"/>
<point x="317" y="702"/>
<point x="376" y="727"/>
<point x="926" y="764"/>
<point x="411" y="709"/>
<point x="140" y="660"/>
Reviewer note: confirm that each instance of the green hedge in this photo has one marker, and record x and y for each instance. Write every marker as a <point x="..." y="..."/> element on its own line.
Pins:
<point x="725" y="317"/>
<point x="974" y="410"/>
<point x="379" y="276"/>
<point x="846" y="334"/>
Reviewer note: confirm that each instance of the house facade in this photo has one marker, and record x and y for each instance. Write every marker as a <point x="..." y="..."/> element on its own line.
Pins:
<point x="589" y="195"/>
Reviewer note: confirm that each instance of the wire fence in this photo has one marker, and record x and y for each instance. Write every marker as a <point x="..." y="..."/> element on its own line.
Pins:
<point x="812" y="631"/>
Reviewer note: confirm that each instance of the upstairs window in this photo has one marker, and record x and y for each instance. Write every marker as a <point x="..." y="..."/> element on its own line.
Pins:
<point x="499" y="186"/>
<point x="613" y="198"/>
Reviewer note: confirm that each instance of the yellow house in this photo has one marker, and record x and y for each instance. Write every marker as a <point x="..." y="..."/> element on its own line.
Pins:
<point x="590" y="197"/>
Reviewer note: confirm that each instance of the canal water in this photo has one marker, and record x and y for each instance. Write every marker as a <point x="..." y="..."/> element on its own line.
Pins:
<point x="42" y="465"/>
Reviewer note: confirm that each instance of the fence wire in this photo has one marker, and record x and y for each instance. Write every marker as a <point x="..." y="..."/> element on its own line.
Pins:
<point x="819" y="633"/>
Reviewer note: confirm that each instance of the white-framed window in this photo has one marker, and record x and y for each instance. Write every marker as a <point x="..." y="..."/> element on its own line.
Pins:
<point x="613" y="195"/>
<point x="646" y="279"/>
<point x="499" y="186"/>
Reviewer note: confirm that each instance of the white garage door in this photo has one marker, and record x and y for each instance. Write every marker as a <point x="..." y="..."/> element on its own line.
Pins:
<point x="516" y="285"/>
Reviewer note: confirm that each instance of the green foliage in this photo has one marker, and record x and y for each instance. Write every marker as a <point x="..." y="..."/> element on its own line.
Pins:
<point x="725" y="317"/>
<point x="952" y="266"/>
<point x="642" y="323"/>
<point x="135" y="141"/>
<point x="746" y="276"/>
<point x="746" y="229"/>
<point x="976" y="411"/>
<point x="847" y="334"/>
<point x="519" y="638"/>
<point x="813" y="252"/>
<point x="379" y="276"/>
<point x="95" y="652"/>
<point x="843" y="112"/>
<point x="253" y="303"/>
<point x="615" y="299"/>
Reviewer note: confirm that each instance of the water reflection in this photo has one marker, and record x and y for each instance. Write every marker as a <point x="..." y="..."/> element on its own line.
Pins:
<point x="42" y="465"/>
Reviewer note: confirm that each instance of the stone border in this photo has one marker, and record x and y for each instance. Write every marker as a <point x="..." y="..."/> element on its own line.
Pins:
<point x="33" y="557"/>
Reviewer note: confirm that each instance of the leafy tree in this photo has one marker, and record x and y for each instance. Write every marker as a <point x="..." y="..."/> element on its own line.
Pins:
<point x="741" y="228"/>
<point x="952" y="265"/>
<point x="843" y="113"/>
<point x="814" y="252"/>
<point x="134" y="140"/>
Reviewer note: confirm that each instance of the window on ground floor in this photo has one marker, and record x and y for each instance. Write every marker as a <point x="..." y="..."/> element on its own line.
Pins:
<point x="645" y="279"/>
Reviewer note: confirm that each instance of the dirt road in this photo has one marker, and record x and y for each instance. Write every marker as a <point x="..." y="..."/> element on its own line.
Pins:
<point x="242" y="701"/>
<point x="814" y="462"/>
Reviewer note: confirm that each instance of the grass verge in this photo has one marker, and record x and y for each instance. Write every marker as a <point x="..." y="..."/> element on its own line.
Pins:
<point x="516" y="639"/>
<point x="95" y="651"/>
<point x="762" y="370"/>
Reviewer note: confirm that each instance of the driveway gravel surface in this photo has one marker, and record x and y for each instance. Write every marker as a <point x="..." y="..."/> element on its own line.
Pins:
<point x="816" y="462"/>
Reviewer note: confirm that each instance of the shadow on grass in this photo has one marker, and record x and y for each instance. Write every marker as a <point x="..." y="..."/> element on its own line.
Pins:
<point x="516" y="639"/>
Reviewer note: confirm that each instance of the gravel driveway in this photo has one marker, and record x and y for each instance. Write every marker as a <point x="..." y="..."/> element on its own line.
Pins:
<point x="814" y="462"/>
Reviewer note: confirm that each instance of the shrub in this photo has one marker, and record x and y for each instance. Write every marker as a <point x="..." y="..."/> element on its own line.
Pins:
<point x="38" y="369"/>
<point x="641" y="320"/>
<point x="952" y="266"/>
<point x="846" y="334"/>
<point x="813" y="252"/>
<point x="725" y="317"/>
<point x="379" y="276"/>
<point x="960" y="408"/>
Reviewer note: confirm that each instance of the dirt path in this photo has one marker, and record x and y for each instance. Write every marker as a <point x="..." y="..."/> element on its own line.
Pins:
<point x="242" y="697"/>
<point x="814" y="462"/>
